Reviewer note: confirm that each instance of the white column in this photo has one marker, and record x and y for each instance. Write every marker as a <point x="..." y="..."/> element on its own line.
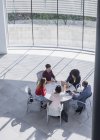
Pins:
<point x="3" y="25"/>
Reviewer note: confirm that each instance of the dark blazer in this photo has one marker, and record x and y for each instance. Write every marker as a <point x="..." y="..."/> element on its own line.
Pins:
<point x="71" y="80"/>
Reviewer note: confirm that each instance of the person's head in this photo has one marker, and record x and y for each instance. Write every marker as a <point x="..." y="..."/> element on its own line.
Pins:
<point x="84" y="83"/>
<point x="75" y="73"/>
<point x="42" y="82"/>
<point x="58" y="89"/>
<point x="48" y="67"/>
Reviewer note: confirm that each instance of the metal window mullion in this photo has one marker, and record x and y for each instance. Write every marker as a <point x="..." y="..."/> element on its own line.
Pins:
<point x="14" y="11"/>
<point x="32" y="22"/>
<point x="57" y="26"/>
<point x="83" y="2"/>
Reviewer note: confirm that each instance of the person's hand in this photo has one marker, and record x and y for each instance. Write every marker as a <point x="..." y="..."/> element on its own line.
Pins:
<point x="53" y="80"/>
<point x="64" y="87"/>
<point x="73" y="94"/>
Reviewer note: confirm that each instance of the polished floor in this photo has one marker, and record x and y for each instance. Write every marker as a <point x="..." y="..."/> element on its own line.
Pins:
<point x="17" y="70"/>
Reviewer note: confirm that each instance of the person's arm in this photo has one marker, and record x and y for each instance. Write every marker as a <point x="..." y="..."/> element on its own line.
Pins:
<point x="77" y="82"/>
<point x="70" y="79"/>
<point x="53" y="76"/>
<point x="79" y="96"/>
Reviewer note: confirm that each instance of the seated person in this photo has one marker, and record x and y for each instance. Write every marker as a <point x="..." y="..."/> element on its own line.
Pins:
<point x="41" y="90"/>
<point x="82" y="96"/>
<point x="55" y="100"/>
<point x="48" y="74"/>
<point x="74" y="78"/>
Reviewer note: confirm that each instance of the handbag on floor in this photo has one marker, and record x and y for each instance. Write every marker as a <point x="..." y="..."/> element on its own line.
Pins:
<point x="64" y="115"/>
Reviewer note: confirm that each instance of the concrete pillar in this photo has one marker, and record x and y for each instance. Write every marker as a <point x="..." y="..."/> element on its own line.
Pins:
<point x="3" y="25"/>
<point x="96" y="97"/>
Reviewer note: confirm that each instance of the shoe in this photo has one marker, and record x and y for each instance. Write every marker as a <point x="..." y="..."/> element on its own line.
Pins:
<point x="41" y="103"/>
<point x="44" y="106"/>
<point x="79" y="110"/>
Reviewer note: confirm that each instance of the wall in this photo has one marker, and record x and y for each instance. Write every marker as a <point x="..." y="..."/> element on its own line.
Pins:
<point x="3" y="35"/>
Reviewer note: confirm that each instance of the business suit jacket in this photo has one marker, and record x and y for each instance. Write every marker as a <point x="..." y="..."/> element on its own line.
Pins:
<point x="86" y="93"/>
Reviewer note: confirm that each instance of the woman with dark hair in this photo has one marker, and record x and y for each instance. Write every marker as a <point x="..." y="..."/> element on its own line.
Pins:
<point x="74" y="78"/>
<point x="55" y="98"/>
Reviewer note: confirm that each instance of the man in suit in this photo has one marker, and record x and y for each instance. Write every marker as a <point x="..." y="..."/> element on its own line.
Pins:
<point x="82" y="96"/>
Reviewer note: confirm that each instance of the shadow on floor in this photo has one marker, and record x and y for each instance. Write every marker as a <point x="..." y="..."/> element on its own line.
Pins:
<point x="13" y="115"/>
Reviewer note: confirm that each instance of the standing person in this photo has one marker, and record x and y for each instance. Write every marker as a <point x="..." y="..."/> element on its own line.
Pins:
<point x="48" y="74"/>
<point x="82" y="96"/>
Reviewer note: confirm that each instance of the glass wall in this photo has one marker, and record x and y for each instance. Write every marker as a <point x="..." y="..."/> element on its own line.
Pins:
<point x="90" y="12"/>
<point x="45" y="22"/>
<point x="52" y="23"/>
<point x="19" y="22"/>
<point x="70" y="14"/>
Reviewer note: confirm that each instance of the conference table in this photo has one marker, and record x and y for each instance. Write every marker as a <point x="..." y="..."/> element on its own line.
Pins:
<point x="50" y="88"/>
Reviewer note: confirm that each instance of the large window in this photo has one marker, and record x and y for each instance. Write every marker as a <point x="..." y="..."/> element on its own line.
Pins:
<point x="44" y="22"/>
<point x="52" y="23"/>
<point x="90" y="8"/>
<point x="70" y="14"/>
<point x="19" y="22"/>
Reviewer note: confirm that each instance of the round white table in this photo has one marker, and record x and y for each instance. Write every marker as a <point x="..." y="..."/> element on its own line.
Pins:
<point x="50" y="88"/>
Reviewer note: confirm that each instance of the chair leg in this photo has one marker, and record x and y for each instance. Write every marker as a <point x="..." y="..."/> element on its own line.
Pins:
<point x="90" y="105"/>
<point x="60" y="120"/>
<point x="27" y="107"/>
<point x="47" y="118"/>
<point x="87" y="114"/>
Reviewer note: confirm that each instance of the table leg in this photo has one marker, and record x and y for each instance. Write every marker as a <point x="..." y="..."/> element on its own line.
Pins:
<point x="66" y="106"/>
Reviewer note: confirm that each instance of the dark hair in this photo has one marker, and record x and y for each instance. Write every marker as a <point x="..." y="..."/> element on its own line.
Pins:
<point x="85" y="83"/>
<point x="47" y="65"/>
<point x="75" y="72"/>
<point x="42" y="81"/>
<point x="58" y="89"/>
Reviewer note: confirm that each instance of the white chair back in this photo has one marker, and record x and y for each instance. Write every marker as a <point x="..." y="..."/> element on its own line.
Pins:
<point x="39" y="75"/>
<point x="54" y="113"/>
